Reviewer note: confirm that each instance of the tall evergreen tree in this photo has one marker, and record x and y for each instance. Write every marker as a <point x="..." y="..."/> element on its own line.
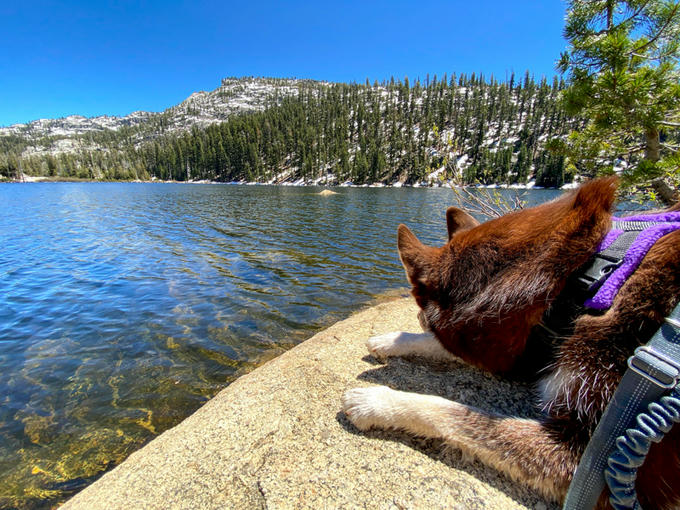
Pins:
<point x="622" y="65"/>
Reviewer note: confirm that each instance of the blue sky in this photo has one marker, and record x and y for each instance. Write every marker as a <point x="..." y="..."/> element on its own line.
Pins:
<point x="105" y="57"/>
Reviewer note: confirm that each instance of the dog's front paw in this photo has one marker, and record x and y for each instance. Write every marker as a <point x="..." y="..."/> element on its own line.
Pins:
<point x="382" y="346"/>
<point x="369" y="407"/>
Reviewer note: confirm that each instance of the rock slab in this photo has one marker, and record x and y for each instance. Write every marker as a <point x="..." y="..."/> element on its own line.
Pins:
<point x="275" y="438"/>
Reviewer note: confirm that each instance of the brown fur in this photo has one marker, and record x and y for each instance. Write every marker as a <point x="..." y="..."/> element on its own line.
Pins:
<point x="483" y="292"/>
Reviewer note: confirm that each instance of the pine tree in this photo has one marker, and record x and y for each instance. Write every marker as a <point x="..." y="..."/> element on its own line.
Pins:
<point x="623" y="75"/>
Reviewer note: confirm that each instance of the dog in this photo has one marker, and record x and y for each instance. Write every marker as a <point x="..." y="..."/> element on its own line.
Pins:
<point x="484" y="295"/>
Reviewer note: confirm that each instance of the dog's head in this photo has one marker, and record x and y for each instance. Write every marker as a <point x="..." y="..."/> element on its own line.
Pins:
<point x="483" y="291"/>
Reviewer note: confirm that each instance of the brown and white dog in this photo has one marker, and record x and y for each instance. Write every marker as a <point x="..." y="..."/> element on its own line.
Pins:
<point x="481" y="297"/>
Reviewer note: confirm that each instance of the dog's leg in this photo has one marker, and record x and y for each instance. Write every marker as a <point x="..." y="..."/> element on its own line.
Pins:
<point x="522" y="449"/>
<point x="399" y="343"/>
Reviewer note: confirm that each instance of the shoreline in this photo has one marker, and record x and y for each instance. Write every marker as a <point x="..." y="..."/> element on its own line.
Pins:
<point x="300" y="183"/>
<point x="275" y="437"/>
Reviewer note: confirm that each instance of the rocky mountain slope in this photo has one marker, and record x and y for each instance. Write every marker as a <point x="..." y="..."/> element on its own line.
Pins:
<point x="286" y="130"/>
<point x="73" y="125"/>
<point x="234" y="96"/>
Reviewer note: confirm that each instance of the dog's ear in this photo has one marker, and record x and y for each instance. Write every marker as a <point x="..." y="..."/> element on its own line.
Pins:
<point x="597" y="195"/>
<point x="414" y="255"/>
<point x="457" y="219"/>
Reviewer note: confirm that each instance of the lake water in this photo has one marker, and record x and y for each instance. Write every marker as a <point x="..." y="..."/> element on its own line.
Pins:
<point x="124" y="307"/>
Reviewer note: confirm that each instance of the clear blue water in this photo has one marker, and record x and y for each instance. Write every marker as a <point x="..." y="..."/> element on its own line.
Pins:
<point x="124" y="307"/>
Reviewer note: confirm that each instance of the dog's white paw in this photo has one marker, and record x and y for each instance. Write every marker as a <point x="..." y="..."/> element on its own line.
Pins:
<point x="369" y="407"/>
<point x="382" y="346"/>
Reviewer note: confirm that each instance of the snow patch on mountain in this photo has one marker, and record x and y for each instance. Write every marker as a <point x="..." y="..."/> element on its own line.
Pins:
<point x="233" y="97"/>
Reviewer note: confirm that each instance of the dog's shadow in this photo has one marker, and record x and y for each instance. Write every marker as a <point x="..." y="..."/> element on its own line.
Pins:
<point x="462" y="383"/>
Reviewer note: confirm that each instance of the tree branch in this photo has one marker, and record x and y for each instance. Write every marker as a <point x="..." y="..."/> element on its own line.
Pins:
<point x="661" y="30"/>
<point x="634" y="15"/>
<point x="665" y="192"/>
<point x="610" y="25"/>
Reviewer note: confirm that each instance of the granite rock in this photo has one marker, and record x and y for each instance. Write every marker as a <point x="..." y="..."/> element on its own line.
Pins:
<point x="275" y="438"/>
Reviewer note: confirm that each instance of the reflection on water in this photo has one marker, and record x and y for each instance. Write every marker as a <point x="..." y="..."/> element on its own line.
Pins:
<point x="124" y="307"/>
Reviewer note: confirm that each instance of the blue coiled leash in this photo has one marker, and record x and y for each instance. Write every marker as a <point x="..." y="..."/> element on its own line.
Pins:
<point x="644" y="408"/>
<point x="632" y="448"/>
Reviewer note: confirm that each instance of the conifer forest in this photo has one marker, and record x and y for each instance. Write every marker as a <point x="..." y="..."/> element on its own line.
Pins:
<point x="468" y="129"/>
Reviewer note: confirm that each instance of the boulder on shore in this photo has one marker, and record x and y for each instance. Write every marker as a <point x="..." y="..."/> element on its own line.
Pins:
<point x="275" y="438"/>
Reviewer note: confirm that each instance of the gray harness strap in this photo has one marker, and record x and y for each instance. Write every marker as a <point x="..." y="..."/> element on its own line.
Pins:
<point x="653" y="370"/>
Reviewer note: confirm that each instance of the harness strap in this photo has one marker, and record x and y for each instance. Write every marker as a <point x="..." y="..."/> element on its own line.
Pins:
<point x="653" y="369"/>
<point x="622" y="243"/>
<point x="621" y="252"/>
<point x="633" y="225"/>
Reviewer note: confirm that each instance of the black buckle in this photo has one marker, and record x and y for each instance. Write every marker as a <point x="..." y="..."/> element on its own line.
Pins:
<point x="598" y="271"/>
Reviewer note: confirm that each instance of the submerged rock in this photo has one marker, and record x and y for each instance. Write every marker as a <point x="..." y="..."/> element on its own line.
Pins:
<point x="275" y="438"/>
<point x="327" y="192"/>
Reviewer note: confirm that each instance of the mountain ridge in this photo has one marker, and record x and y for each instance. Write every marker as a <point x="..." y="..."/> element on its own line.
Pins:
<point x="76" y="124"/>
<point x="280" y="129"/>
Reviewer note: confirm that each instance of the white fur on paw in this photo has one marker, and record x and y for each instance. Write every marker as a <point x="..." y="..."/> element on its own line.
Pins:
<point x="382" y="346"/>
<point x="369" y="407"/>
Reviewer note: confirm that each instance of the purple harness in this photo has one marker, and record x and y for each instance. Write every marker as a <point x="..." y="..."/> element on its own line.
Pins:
<point x="648" y="228"/>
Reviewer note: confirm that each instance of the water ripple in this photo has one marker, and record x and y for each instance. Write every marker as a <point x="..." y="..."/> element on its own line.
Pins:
<point x="123" y="307"/>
